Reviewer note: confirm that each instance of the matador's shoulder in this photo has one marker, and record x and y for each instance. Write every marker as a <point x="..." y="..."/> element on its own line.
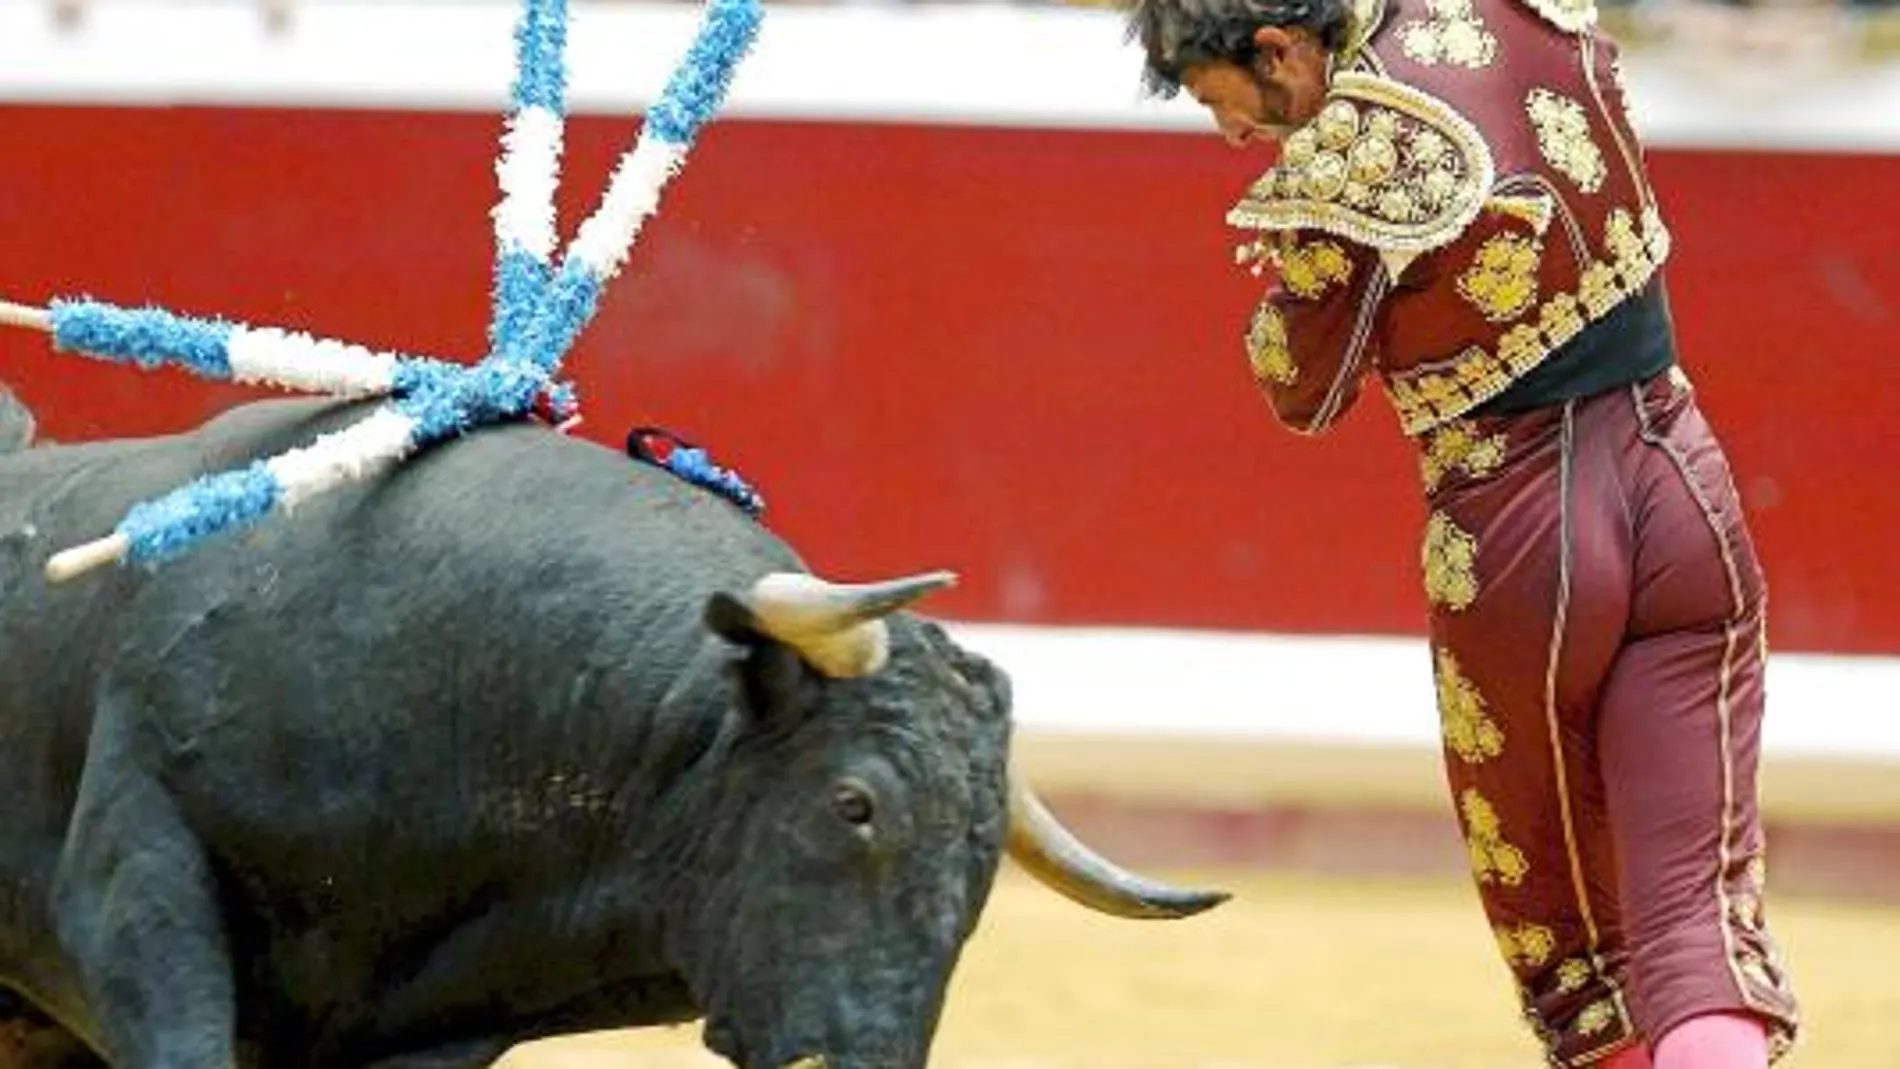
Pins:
<point x="1406" y="150"/>
<point x="1384" y="164"/>
<point x="1492" y="136"/>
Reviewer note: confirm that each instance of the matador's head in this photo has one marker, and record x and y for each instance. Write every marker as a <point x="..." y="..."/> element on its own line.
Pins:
<point x="1260" y="67"/>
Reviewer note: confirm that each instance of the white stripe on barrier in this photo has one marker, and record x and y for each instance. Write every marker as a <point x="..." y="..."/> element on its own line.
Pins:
<point x="1354" y="690"/>
<point x="974" y="63"/>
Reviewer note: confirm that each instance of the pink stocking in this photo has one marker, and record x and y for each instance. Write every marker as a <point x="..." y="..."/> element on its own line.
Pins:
<point x="1714" y="1041"/>
<point x="1636" y="1057"/>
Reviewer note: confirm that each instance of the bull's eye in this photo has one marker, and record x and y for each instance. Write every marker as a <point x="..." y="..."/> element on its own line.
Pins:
<point x="852" y="803"/>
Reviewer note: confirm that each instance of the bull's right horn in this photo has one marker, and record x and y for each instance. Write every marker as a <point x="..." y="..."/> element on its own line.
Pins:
<point x="1052" y="854"/>
<point x="838" y="628"/>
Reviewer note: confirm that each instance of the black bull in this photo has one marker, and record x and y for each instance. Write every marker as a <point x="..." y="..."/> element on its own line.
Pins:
<point x="520" y="739"/>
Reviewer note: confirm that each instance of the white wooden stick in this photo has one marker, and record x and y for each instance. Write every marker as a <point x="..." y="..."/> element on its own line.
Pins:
<point x="20" y="315"/>
<point x="74" y="562"/>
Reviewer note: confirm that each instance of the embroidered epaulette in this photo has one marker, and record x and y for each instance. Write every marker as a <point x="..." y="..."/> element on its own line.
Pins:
<point x="1382" y="164"/>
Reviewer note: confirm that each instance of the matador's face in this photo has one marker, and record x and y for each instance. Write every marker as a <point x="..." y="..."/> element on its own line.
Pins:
<point x="1280" y="90"/>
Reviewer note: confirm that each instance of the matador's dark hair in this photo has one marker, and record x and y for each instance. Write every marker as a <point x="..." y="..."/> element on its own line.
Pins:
<point x="1177" y="34"/>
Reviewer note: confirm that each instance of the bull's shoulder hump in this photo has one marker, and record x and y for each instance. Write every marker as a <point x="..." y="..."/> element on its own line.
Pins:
<point x="16" y="423"/>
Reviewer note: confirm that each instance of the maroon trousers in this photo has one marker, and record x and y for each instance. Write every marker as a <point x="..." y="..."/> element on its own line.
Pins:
<point x="1598" y="645"/>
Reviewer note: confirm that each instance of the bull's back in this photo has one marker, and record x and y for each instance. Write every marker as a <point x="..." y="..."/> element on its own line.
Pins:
<point x="16" y="423"/>
<point x="56" y="497"/>
<point x="470" y="529"/>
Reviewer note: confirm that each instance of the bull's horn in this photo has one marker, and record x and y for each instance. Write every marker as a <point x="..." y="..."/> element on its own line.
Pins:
<point x="1041" y="845"/>
<point x="838" y="628"/>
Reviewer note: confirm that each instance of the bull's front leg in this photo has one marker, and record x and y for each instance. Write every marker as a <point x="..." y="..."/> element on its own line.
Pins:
<point x="136" y="912"/>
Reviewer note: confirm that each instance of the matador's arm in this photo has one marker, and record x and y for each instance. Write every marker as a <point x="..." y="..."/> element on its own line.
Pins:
<point x="1314" y="334"/>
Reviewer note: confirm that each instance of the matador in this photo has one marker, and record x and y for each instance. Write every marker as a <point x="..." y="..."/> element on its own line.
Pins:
<point x="1460" y="211"/>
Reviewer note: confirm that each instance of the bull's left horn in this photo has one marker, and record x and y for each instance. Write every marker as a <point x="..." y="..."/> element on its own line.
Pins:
<point x="1053" y="855"/>
<point x="838" y="628"/>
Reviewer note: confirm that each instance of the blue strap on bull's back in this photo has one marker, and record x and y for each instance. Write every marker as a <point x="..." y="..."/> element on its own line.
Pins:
<point x="539" y="308"/>
<point x="663" y="449"/>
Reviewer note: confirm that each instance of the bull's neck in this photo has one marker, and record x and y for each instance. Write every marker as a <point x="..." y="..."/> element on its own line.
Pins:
<point x="611" y="846"/>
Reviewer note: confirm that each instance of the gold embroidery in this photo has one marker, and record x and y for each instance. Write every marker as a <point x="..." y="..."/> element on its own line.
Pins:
<point x="1753" y="968"/>
<point x="1337" y="124"/>
<point x="1385" y="125"/>
<point x="1563" y="136"/>
<point x="1501" y="282"/>
<point x="1492" y="859"/>
<point x="1535" y="209"/>
<point x="1370" y="162"/>
<point x="1308" y="269"/>
<point x="1429" y="148"/>
<point x="1596" y="1017"/>
<point x="1454" y="448"/>
<point x="1429" y="396"/>
<point x="1598" y="290"/>
<point x="1398" y="203"/>
<point x="1325" y="177"/>
<point x="1570" y="16"/>
<point x="1450" y="554"/>
<point x="1624" y="244"/>
<point x="1526" y="945"/>
<point x="1562" y="320"/>
<point x="1267" y="347"/>
<point x="1437" y="187"/>
<point x="1572" y="975"/>
<point x="1468" y="729"/>
<point x="1383" y="164"/>
<point x="1453" y="34"/>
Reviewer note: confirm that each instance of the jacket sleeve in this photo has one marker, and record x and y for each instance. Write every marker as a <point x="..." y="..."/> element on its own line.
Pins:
<point x="1314" y="334"/>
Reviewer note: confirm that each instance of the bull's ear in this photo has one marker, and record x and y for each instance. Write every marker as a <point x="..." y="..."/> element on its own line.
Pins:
<point x="771" y="676"/>
<point x="728" y="616"/>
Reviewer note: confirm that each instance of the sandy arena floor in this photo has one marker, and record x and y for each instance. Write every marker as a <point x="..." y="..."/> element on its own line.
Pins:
<point x="1295" y="974"/>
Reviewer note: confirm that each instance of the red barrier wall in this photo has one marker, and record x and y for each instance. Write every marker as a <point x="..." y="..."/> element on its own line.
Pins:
<point x="1012" y="352"/>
